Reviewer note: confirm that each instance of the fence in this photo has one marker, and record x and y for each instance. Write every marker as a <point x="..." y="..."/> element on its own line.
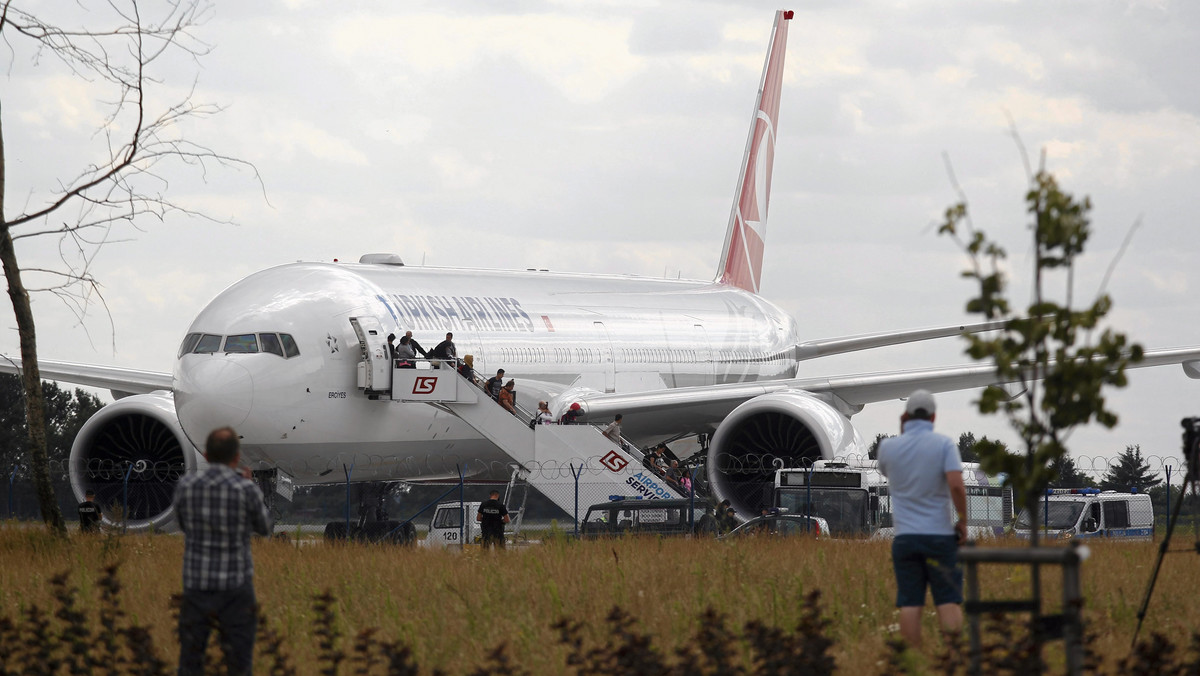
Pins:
<point x="139" y="491"/>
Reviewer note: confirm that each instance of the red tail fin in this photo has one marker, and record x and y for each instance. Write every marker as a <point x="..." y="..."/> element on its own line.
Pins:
<point x="741" y="259"/>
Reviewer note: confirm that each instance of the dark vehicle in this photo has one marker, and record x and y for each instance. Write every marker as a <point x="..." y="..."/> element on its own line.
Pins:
<point x="783" y="525"/>
<point x="639" y="517"/>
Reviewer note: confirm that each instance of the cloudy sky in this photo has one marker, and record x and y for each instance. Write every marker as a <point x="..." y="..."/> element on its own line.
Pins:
<point x="607" y="137"/>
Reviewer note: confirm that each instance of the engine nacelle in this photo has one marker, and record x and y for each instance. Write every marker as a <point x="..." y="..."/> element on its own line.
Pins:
<point x="131" y="453"/>
<point x="774" y="431"/>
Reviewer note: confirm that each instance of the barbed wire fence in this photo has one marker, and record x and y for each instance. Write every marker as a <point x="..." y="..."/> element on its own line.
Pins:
<point x="140" y="489"/>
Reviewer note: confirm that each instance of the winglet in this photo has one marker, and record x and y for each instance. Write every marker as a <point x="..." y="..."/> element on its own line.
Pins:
<point x="741" y="258"/>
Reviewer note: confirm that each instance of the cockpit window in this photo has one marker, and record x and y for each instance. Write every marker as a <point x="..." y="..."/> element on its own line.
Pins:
<point x="245" y="342"/>
<point x="281" y="344"/>
<point x="290" y="349"/>
<point x="189" y="343"/>
<point x="270" y="343"/>
<point x="208" y="344"/>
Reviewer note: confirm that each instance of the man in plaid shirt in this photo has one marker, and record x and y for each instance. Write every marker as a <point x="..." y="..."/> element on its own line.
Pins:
<point x="217" y="509"/>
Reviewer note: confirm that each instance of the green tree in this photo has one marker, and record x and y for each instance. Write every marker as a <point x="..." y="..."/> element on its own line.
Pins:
<point x="1067" y="475"/>
<point x="117" y="46"/>
<point x="966" y="447"/>
<point x="873" y="451"/>
<point x="1055" y="351"/>
<point x="1130" y="471"/>
<point x="66" y="411"/>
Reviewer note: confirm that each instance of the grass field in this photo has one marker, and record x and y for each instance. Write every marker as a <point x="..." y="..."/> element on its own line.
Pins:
<point x="454" y="608"/>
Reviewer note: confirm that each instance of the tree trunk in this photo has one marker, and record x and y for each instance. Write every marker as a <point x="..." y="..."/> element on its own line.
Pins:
<point x="35" y="403"/>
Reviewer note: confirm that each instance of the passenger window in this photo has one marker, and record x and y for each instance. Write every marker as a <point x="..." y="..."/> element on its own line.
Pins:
<point x="243" y="343"/>
<point x="189" y="343"/>
<point x="1116" y="514"/>
<point x="208" y="344"/>
<point x="290" y="349"/>
<point x="270" y="343"/>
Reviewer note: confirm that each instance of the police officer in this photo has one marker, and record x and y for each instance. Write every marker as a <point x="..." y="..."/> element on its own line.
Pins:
<point x="89" y="514"/>
<point x="492" y="516"/>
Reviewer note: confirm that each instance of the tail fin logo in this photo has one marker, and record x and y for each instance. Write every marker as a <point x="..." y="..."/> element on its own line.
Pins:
<point x="745" y="239"/>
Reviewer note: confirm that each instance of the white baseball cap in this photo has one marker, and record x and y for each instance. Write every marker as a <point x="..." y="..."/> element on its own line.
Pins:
<point x="921" y="399"/>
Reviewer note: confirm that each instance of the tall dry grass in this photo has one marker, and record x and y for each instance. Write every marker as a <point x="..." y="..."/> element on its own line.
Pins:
<point x="453" y="609"/>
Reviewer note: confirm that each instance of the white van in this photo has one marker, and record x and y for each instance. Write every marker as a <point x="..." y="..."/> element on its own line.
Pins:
<point x="1091" y="513"/>
<point x="448" y="529"/>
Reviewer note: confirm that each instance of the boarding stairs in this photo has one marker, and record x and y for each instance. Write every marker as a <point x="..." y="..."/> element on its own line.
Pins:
<point x="549" y="456"/>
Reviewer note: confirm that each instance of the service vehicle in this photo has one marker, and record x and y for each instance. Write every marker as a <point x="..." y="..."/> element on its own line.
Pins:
<point x="447" y="529"/>
<point x="1091" y="513"/>
<point x="852" y="496"/>
<point x="635" y="516"/>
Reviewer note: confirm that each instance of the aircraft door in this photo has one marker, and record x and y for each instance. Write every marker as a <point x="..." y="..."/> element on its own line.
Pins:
<point x="374" y="362"/>
<point x="607" y="363"/>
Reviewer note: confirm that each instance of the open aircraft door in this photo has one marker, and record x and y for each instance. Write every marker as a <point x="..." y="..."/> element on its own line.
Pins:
<point x="374" y="362"/>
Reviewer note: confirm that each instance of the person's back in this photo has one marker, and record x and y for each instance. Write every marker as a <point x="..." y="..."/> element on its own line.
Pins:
<point x="89" y="514"/>
<point x="218" y="510"/>
<point x="915" y="464"/>
<point x="924" y="472"/>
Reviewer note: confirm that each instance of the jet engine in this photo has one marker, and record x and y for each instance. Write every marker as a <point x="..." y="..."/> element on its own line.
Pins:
<point x="131" y="453"/>
<point x="774" y="431"/>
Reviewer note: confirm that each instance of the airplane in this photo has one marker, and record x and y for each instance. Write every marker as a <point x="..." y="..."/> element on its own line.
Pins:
<point x="278" y="354"/>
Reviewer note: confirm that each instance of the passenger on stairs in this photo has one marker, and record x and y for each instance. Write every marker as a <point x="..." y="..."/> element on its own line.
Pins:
<point x="405" y="354"/>
<point x="495" y="384"/>
<point x="466" y="368"/>
<point x="415" y="345"/>
<point x="508" y="397"/>
<point x="613" y="431"/>
<point x="445" y="349"/>
<point x="571" y="417"/>
<point x="544" y="416"/>
<point x="674" y="474"/>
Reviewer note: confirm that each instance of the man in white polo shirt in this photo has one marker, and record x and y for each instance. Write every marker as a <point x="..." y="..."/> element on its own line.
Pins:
<point x="929" y="511"/>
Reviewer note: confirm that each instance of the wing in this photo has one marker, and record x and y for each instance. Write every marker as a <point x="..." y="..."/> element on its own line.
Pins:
<point x="121" y="381"/>
<point x="692" y="409"/>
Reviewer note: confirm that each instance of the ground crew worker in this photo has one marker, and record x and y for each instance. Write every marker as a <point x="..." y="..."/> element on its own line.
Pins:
<point x="89" y="514"/>
<point x="492" y="516"/>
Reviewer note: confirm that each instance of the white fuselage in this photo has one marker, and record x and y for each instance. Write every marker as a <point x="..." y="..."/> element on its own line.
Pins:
<point x="553" y="333"/>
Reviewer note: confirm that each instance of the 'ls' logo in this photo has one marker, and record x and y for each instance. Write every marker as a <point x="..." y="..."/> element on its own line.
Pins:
<point x="424" y="384"/>
<point x="614" y="461"/>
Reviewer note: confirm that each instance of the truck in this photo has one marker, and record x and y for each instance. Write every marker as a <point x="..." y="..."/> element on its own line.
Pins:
<point x="852" y="496"/>
<point x="449" y="530"/>
<point x="1091" y="513"/>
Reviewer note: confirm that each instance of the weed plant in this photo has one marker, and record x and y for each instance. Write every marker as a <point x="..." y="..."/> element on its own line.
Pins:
<point x="620" y="606"/>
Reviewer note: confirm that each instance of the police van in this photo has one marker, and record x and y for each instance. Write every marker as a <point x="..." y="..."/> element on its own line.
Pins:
<point x="1091" y="513"/>
<point x="635" y="516"/>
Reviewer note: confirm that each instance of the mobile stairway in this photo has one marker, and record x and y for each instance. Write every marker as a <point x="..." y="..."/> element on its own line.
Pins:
<point x="550" y="456"/>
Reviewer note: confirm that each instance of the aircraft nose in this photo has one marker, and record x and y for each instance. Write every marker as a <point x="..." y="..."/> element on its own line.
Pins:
<point x="213" y="393"/>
